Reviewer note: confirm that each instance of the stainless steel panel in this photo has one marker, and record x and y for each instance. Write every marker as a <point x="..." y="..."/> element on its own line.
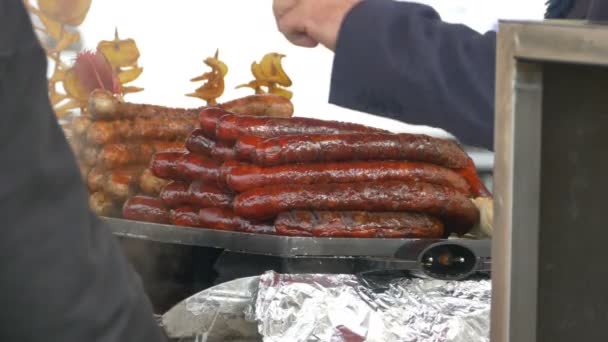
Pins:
<point x="549" y="183"/>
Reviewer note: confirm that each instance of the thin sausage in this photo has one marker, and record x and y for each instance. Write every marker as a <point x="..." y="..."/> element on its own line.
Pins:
<point x="147" y="209"/>
<point x="457" y="210"/>
<point x="120" y="154"/>
<point x="361" y="224"/>
<point x="122" y="183"/>
<point x="149" y="184"/>
<point x="260" y="105"/>
<point x="231" y="127"/>
<point x="348" y="147"/>
<point x="242" y="177"/>
<point x="118" y="183"/>
<point x="155" y="128"/>
<point x="105" y="106"/>
<point x="226" y="219"/>
<point x="103" y="205"/>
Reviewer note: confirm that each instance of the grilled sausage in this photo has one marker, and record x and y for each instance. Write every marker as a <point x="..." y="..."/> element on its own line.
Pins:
<point x="103" y="205"/>
<point x="260" y="105"/>
<point x="456" y="210"/>
<point x="149" y="184"/>
<point x="147" y="209"/>
<point x="205" y="196"/>
<point x="120" y="154"/>
<point x="231" y="127"/>
<point x="105" y="106"/>
<point x="242" y="177"/>
<point x="155" y="128"/>
<point x="361" y="224"/>
<point x="348" y="147"/>
<point x="208" y="119"/>
<point x="164" y="164"/>
<point x="197" y="142"/>
<point x="122" y="183"/>
<point x="226" y="219"/>
<point x="478" y="188"/>
<point x="185" y="216"/>
<point x="191" y="167"/>
<point x="175" y="194"/>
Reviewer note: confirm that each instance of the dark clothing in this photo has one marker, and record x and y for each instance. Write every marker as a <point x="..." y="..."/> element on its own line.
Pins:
<point x="399" y="60"/>
<point x="63" y="276"/>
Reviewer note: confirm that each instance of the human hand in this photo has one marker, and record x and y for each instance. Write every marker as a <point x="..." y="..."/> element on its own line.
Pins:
<point x="310" y="22"/>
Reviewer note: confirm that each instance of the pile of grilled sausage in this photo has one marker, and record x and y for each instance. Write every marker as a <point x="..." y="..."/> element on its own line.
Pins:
<point x="114" y="142"/>
<point x="276" y="174"/>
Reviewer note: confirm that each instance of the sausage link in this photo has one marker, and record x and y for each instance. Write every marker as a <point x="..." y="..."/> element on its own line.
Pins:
<point x="103" y="205"/>
<point x="175" y="194"/>
<point x="105" y="106"/>
<point x="260" y="105"/>
<point x="478" y="188"/>
<point x="204" y="196"/>
<point x="360" y="224"/>
<point x="348" y="147"/>
<point x="120" y="154"/>
<point x="226" y="219"/>
<point x="231" y="127"/>
<point x="185" y="217"/>
<point x="79" y="125"/>
<point x="457" y="210"/>
<point x="155" y="128"/>
<point x="164" y="164"/>
<point x="118" y="183"/>
<point x="197" y="142"/>
<point x="147" y="209"/>
<point x="191" y="167"/>
<point x="122" y="183"/>
<point x="208" y="119"/>
<point x="243" y="177"/>
<point x="149" y="184"/>
<point x="88" y="155"/>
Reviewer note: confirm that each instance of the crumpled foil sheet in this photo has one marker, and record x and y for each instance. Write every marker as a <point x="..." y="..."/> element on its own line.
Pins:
<point x="339" y="308"/>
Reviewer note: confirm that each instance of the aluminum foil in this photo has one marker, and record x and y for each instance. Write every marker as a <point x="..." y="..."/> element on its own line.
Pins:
<point x="345" y="308"/>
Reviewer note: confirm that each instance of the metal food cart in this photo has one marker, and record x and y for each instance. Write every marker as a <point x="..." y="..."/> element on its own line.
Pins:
<point x="549" y="183"/>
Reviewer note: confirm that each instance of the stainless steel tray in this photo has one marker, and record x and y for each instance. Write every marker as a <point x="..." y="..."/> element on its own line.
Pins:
<point x="386" y="253"/>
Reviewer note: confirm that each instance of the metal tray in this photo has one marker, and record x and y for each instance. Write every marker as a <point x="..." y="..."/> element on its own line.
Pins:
<point x="468" y="255"/>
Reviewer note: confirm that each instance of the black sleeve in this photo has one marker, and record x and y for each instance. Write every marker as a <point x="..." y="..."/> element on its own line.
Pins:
<point x="598" y="11"/>
<point x="399" y="60"/>
<point x="63" y="276"/>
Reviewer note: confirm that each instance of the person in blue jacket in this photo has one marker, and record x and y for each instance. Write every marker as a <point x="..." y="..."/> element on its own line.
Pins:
<point x="399" y="60"/>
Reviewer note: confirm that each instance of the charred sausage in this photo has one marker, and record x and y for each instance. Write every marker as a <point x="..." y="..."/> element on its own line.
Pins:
<point x="348" y="147"/>
<point x="226" y="219"/>
<point x="103" y="105"/>
<point x="185" y="216"/>
<point x="231" y="127"/>
<point x="456" y="210"/>
<point x="243" y="177"/>
<point x="361" y="224"/>
<point x="147" y="209"/>
<point x="260" y="105"/>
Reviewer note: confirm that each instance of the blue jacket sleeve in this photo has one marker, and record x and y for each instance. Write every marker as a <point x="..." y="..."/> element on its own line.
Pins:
<point x="399" y="60"/>
<point x="63" y="275"/>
